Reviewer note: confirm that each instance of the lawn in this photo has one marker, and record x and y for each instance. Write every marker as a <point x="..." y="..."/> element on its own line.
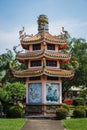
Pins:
<point x="75" y="124"/>
<point x="11" y="124"/>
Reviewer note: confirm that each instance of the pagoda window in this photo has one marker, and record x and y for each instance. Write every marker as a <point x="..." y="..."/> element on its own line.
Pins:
<point x="50" y="47"/>
<point x="51" y="63"/>
<point x="52" y="78"/>
<point x="36" y="46"/>
<point x="35" y="63"/>
<point x="35" y="78"/>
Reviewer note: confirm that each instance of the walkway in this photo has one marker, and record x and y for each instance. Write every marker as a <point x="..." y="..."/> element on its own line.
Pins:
<point x="42" y="124"/>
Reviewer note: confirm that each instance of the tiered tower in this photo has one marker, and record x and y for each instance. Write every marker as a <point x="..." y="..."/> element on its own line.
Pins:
<point x="43" y="57"/>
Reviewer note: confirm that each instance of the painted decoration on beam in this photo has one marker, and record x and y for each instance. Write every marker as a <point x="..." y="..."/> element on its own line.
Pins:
<point x="52" y="93"/>
<point x="34" y="93"/>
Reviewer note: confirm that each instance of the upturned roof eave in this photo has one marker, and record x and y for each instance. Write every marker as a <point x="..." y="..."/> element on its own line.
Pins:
<point x="20" y="74"/>
<point x="40" y="37"/>
<point x="41" y="40"/>
<point x="42" y="53"/>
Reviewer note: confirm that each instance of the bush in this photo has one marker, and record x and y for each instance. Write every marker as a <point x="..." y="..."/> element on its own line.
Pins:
<point x="1" y="107"/>
<point x="61" y="113"/>
<point x="66" y="106"/>
<point x="78" y="101"/>
<point x="68" y="101"/>
<point x="14" y="112"/>
<point x="79" y="112"/>
<point x="80" y="107"/>
<point x="86" y="111"/>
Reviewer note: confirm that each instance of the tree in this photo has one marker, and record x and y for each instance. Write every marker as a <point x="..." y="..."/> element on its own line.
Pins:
<point x="78" y="63"/>
<point x="80" y="54"/>
<point x="6" y="60"/>
<point x="5" y="75"/>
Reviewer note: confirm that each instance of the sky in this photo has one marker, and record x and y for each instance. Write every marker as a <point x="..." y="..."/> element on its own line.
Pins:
<point x="14" y="14"/>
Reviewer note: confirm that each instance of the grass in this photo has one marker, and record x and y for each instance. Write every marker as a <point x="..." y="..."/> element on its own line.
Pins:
<point x="11" y="124"/>
<point x="75" y="124"/>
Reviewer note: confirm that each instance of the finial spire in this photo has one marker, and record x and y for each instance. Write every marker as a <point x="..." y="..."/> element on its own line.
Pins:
<point x="42" y="23"/>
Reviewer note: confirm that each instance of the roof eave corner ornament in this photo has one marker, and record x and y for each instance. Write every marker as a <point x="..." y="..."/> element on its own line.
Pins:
<point x="64" y="34"/>
<point x="15" y="49"/>
<point x="71" y="50"/>
<point x="22" y="33"/>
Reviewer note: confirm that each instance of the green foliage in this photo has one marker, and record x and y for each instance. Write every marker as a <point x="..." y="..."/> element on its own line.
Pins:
<point x="66" y="106"/>
<point x="79" y="112"/>
<point x="82" y="108"/>
<point x="86" y="111"/>
<point x="79" y="54"/>
<point x="12" y="94"/>
<point x="1" y="107"/>
<point x="83" y="93"/>
<point x="14" y="112"/>
<point x="2" y="74"/>
<point x="4" y="97"/>
<point x="6" y="61"/>
<point x="5" y="75"/>
<point x="78" y="101"/>
<point x="61" y="113"/>
<point x="16" y="91"/>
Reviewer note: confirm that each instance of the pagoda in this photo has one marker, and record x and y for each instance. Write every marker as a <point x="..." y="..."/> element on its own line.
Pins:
<point x="43" y="54"/>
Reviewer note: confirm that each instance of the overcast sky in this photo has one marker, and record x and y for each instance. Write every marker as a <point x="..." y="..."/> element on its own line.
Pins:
<point x="72" y="14"/>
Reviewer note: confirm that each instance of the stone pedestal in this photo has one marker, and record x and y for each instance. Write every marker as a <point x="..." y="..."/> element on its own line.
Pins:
<point x="41" y="109"/>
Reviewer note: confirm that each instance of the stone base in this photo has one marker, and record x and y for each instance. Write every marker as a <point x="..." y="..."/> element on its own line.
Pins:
<point x="41" y="109"/>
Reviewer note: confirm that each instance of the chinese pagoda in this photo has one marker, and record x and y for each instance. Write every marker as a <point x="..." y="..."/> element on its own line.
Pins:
<point x="43" y="54"/>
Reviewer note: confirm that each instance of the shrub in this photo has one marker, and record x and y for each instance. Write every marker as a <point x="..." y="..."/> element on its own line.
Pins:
<point x="68" y="101"/>
<point x="66" y="106"/>
<point x="79" y="113"/>
<point x="1" y="107"/>
<point x="80" y="107"/>
<point x="86" y="111"/>
<point x="14" y="112"/>
<point x="78" y="101"/>
<point x="61" y="113"/>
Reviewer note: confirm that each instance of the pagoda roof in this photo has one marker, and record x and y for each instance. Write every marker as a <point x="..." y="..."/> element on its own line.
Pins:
<point x="43" y="36"/>
<point x="42" y="53"/>
<point x="40" y="71"/>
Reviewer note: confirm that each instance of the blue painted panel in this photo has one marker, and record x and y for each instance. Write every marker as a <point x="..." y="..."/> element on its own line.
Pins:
<point x="35" y="93"/>
<point x="52" y="93"/>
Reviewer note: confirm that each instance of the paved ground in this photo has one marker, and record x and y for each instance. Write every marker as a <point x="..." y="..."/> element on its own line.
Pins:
<point x="35" y="124"/>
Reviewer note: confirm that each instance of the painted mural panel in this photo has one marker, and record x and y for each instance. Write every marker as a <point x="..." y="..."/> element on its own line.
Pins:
<point x="34" y="93"/>
<point x="52" y="92"/>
